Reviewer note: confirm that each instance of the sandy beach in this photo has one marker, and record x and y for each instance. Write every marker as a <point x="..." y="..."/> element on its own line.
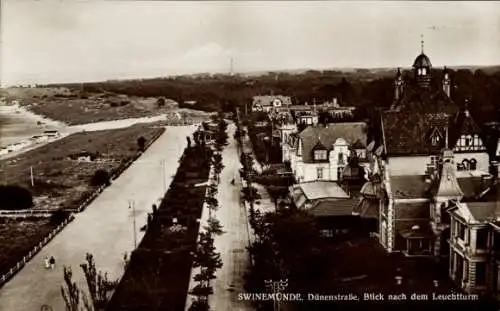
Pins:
<point x="18" y="124"/>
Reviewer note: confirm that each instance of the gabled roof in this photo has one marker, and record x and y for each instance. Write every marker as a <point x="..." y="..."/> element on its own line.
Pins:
<point x="351" y="132"/>
<point x="463" y="124"/>
<point x="407" y="133"/>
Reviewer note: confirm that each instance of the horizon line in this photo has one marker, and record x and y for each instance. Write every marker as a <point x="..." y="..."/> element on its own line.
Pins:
<point x="236" y="73"/>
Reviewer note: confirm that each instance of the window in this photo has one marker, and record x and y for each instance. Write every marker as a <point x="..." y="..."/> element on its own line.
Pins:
<point x="423" y="71"/>
<point x="466" y="164"/>
<point x="320" y="155"/>
<point x="461" y="231"/>
<point x="319" y="172"/>
<point x="435" y="140"/>
<point x="341" y="158"/>
<point x="419" y="71"/>
<point x="468" y="141"/>
<point x="472" y="164"/>
<point x="480" y="273"/>
<point x="482" y="239"/>
<point x="340" y="169"/>
<point x="434" y="161"/>
<point x="327" y="233"/>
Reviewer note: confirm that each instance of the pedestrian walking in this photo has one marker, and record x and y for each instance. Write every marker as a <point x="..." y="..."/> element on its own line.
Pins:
<point x="47" y="264"/>
<point x="52" y="262"/>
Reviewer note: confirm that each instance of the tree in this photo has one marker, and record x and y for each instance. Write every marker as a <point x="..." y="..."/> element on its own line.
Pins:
<point x="214" y="226"/>
<point x="15" y="197"/>
<point x="98" y="286"/>
<point x="101" y="177"/>
<point x="141" y="143"/>
<point x="289" y="246"/>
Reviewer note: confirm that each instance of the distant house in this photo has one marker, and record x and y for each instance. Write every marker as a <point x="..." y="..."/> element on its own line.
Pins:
<point x="322" y="152"/>
<point x="331" y="205"/>
<point x="267" y="103"/>
<point x="190" y="102"/>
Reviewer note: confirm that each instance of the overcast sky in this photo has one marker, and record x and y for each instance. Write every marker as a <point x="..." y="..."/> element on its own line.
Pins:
<point x="62" y="41"/>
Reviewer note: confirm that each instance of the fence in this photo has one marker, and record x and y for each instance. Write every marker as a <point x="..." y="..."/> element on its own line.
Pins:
<point x="47" y="213"/>
<point x="21" y="263"/>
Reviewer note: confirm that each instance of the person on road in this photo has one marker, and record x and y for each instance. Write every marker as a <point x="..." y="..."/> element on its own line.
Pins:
<point x="52" y="262"/>
<point x="47" y="264"/>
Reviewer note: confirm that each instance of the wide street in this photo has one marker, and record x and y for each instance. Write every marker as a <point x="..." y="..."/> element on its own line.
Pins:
<point x="104" y="229"/>
<point x="232" y="244"/>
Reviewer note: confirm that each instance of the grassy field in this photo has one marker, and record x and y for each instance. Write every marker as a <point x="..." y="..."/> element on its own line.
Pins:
<point x="61" y="177"/>
<point x="18" y="237"/>
<point x="74" y="107"/>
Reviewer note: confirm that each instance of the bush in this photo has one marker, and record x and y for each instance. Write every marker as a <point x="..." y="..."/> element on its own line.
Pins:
<point x="141" y="143"/>
<point x="101" y="177"/>
<point x="58" y="217"/>
<point x="14" y="197"/>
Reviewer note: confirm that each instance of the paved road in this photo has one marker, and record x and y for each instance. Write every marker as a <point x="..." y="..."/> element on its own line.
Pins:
<point x="232" y="244"/>
<point x="105" y="228"/>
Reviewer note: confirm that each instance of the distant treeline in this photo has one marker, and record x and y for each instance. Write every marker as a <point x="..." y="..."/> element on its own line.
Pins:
<point x="362" y="88"/>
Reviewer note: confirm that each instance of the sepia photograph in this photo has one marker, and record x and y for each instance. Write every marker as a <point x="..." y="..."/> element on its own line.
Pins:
<point x="249" y="155"/>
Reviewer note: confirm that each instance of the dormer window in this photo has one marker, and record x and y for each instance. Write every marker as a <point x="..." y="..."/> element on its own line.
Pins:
<point x="341" y="158"/>
<point x="320" y="155"/>
<point x="435" y="140"/>
<point x="468" y="141"/>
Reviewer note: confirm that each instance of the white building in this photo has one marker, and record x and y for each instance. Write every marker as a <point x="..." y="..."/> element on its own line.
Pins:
<point x="322" y="152"/>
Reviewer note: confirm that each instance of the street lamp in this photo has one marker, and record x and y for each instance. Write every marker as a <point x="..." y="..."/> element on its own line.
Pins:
<point x="131" y="204"/>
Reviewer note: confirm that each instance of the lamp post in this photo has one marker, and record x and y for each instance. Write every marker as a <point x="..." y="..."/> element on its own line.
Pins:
<point x="131" y="204"/>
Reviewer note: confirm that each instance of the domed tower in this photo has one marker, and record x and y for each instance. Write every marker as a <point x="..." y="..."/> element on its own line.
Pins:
<point x="422" y="68"/>
<point x="446" y="82"/>
<point x="398" y="85"/>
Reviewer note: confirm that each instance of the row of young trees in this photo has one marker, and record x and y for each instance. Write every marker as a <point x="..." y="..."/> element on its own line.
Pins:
<point x="205" y="256"/>
<point x="287" y="245"/>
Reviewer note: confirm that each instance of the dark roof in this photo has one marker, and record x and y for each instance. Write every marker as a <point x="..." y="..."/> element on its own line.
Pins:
<point x="408" y="133"/>
<point x="471" y="187"/>
<point x="418" y="99"/>
<point x="367" y="208"/>
<point x="482" y="211"/>
<point x="333" y="207"/>
<point x="463" y="124"/>
<point x="351" y="132"/>
<point x="409" y="186"/>
<point x="422" y="60"/>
